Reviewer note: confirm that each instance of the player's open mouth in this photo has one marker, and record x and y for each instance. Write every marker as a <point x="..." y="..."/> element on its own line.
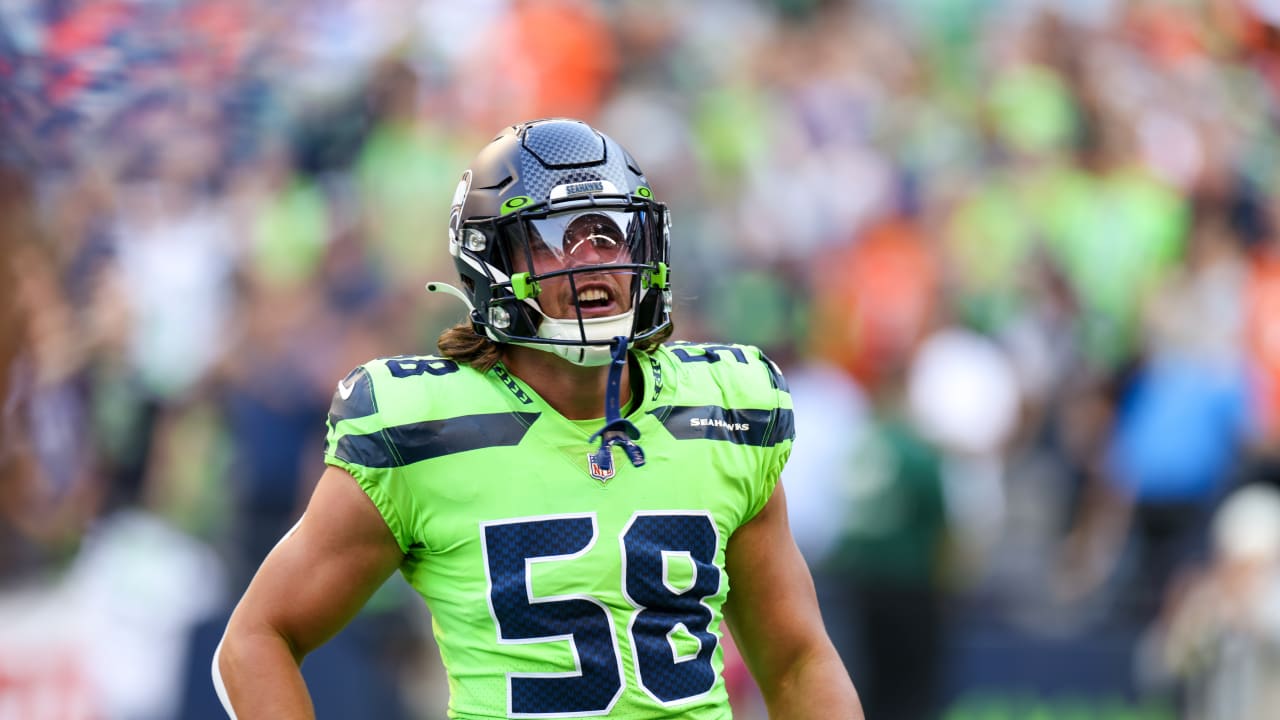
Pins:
<point x="596" y="300"/>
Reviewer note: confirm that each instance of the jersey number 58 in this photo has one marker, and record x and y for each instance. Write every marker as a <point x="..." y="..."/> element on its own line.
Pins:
<point x="660" y="611"/>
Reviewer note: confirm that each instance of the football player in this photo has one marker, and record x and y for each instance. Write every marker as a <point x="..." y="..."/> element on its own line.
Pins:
<point x="579" y="504"/>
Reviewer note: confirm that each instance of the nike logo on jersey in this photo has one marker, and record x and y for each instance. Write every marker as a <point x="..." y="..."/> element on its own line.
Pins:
<point x="344" y="390"/>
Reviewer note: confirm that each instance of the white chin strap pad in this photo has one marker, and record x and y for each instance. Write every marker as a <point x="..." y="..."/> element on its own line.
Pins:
<point x="597" y="329"/>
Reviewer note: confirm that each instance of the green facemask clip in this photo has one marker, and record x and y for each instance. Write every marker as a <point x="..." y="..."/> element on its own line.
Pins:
<point x="523" y="287"/>
<point x="655" y="278"/>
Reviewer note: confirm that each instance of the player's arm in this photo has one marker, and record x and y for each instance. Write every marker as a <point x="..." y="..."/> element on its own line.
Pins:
<point x="772" y="610"/>
<point x="308" y="588"/>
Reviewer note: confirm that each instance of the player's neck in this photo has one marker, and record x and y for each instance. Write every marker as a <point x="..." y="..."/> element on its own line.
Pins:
<point x="574" y="391"/>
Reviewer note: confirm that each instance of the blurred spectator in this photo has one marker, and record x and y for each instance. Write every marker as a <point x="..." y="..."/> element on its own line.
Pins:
<point x="961" y="396"/>
<point x="175" y="250"/>
<point x="1262" y="297"/>
<point x="1116" y="231"/>
<point x="875" y="300"/>
<point x="1219" y="634"/>
<point x="48" y="494"/>
<point x="539" y="58"/>
<point x="107" y="637"/>
<point x="1191" y="385"/>
<point x="270" y="393"/>
<point x="403" y="164"/>
<point x="892" y="559"/>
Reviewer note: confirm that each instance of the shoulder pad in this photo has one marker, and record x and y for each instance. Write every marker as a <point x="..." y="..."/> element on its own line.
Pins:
<point x="405" y="388"/>
<point x="742" y="366"/>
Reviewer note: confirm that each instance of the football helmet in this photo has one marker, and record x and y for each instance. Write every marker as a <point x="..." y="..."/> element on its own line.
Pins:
<point x="559" y="242"/>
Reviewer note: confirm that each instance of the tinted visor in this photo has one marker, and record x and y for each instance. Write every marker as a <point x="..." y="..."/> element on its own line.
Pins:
<point x="595" y="236"/>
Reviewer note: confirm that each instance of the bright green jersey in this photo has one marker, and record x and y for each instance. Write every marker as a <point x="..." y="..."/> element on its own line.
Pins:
<point x="557" y="588"/>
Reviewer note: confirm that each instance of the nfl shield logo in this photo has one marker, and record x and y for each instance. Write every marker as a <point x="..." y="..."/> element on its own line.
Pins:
<point x="603" y="474"/>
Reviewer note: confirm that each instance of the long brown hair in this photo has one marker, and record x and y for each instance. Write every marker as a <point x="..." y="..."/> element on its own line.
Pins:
<point x="462" y="344"/>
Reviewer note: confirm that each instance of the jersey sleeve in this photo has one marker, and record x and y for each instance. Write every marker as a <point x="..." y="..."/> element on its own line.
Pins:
<point x="780" y="434"/>
<point x="357" y="442"/>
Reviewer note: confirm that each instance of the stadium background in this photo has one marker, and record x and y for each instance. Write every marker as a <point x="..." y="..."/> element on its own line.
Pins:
<point x="1018" y="260"/>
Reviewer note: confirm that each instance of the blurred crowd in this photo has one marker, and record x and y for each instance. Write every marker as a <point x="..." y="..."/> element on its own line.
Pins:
<point x="1020" y="260"/>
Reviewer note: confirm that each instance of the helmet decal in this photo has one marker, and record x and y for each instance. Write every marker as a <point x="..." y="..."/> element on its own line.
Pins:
<point x="516" y="203"/>
<point x="455" y="212"/>
<point x="558" y="152"/>
<point x="565" y="144"/>
<point x="583" y="188"/>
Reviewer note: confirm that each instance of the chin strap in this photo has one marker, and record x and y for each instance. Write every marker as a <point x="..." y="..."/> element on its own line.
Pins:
<point x="617" y="430"/>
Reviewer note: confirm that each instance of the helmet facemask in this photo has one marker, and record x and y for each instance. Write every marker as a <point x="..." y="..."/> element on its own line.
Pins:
<point x="570" y="276"/>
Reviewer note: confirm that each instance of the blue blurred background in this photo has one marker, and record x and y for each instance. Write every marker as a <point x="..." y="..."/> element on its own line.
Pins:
<point x="1017" y="258"/>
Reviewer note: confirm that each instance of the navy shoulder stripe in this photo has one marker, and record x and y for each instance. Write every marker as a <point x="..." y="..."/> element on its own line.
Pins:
<point x="775" y="374"/>
<point x="764" y="428"/>
<point x="353" y="398"/>
<point x="784" y="427"/>
<point x="401" y="445"/>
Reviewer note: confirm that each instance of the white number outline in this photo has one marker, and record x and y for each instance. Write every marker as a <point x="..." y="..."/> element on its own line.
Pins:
<point x="528" y="590"/>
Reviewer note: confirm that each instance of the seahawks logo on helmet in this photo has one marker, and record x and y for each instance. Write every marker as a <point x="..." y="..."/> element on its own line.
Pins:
<point x="455" y="211"/>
